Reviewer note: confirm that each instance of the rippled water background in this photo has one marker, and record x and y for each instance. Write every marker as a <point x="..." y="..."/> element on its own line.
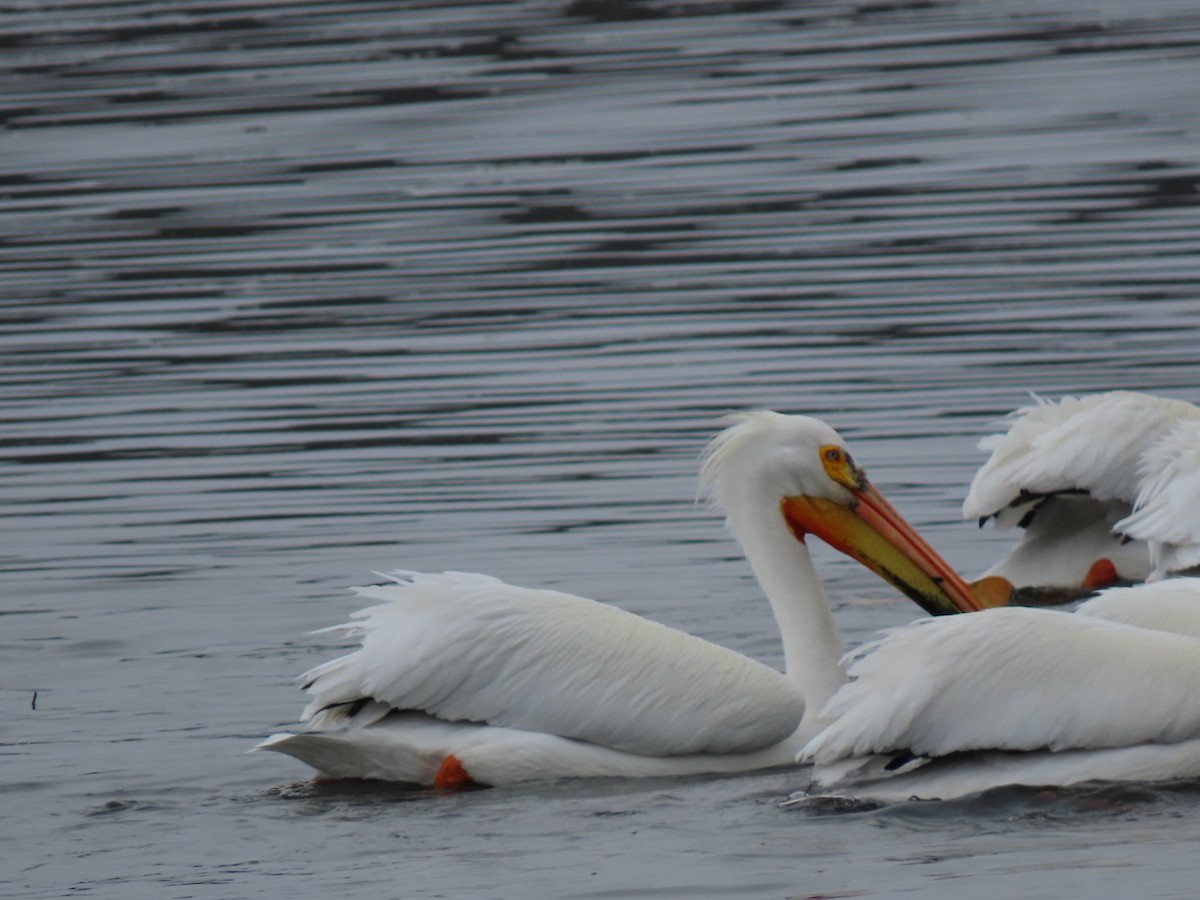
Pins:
<point x="295" y="291"/>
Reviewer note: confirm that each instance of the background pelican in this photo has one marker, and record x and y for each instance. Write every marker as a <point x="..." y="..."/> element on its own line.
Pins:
<point x="461" y="677"/>
<point x="1069" y="473"/>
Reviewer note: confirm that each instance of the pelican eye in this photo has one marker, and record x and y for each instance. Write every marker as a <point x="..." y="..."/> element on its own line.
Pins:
<point x="840" y="467"/>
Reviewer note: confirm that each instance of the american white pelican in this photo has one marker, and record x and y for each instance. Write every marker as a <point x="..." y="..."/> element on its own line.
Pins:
<point x="463" y="678"/>
<point x="947" y="707"/>
<point x="1069" y="473"/>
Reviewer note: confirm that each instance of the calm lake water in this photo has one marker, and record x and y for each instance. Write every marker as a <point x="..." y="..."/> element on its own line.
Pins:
<point x="291" y="292"/>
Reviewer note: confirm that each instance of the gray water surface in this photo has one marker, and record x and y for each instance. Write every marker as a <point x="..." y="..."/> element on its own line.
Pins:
<point x="292" y="292"/>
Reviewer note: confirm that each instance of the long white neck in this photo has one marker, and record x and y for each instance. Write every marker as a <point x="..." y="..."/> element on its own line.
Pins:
<point x="812" y="647"/>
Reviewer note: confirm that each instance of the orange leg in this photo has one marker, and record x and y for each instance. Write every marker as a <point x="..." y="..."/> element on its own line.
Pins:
<point x="452" y="774"/>
<point x="1101" y="574"/>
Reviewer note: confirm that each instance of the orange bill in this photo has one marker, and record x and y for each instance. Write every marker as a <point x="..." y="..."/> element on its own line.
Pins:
<point x="871" y="531"/>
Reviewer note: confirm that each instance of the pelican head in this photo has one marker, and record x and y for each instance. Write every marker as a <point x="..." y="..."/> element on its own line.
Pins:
<point x="801" y="467"/>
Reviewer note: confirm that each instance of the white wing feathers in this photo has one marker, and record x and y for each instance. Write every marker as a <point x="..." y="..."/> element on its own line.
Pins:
<point x="1172" y="605"/>
<point x="1092" y="444"/>
<point x="1167" y="511"/>
<point x="466" y="647"/>
<point x="1013" y="679"/>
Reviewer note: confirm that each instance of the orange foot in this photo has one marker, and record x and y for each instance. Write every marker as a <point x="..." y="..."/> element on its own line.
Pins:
<point x="1101" y="574"/>
<point x="452" y="774"/>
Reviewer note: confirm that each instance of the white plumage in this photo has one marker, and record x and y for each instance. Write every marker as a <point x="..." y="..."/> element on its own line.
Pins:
<point x="466" y="647"/>
<point x="1022" y="696"/>
<point x="412" y="747"/>
<point x="1167" y="509"/>
<point x="1092" y="443"/>
<point x="969" y="773"/>
<point x="1172" y="605"/>
<point x="1069" y="473"/>
<point x="1033" y="676"/>
<point x="946" y="707"/>
<point x="512" y="684"/>
<point x="461" y="676"/>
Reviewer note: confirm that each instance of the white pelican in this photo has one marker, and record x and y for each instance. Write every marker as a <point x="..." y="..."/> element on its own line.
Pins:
<point x="1069" y="473"/>
<point x="462" y="678"/>
<point x="943" y="708"/>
